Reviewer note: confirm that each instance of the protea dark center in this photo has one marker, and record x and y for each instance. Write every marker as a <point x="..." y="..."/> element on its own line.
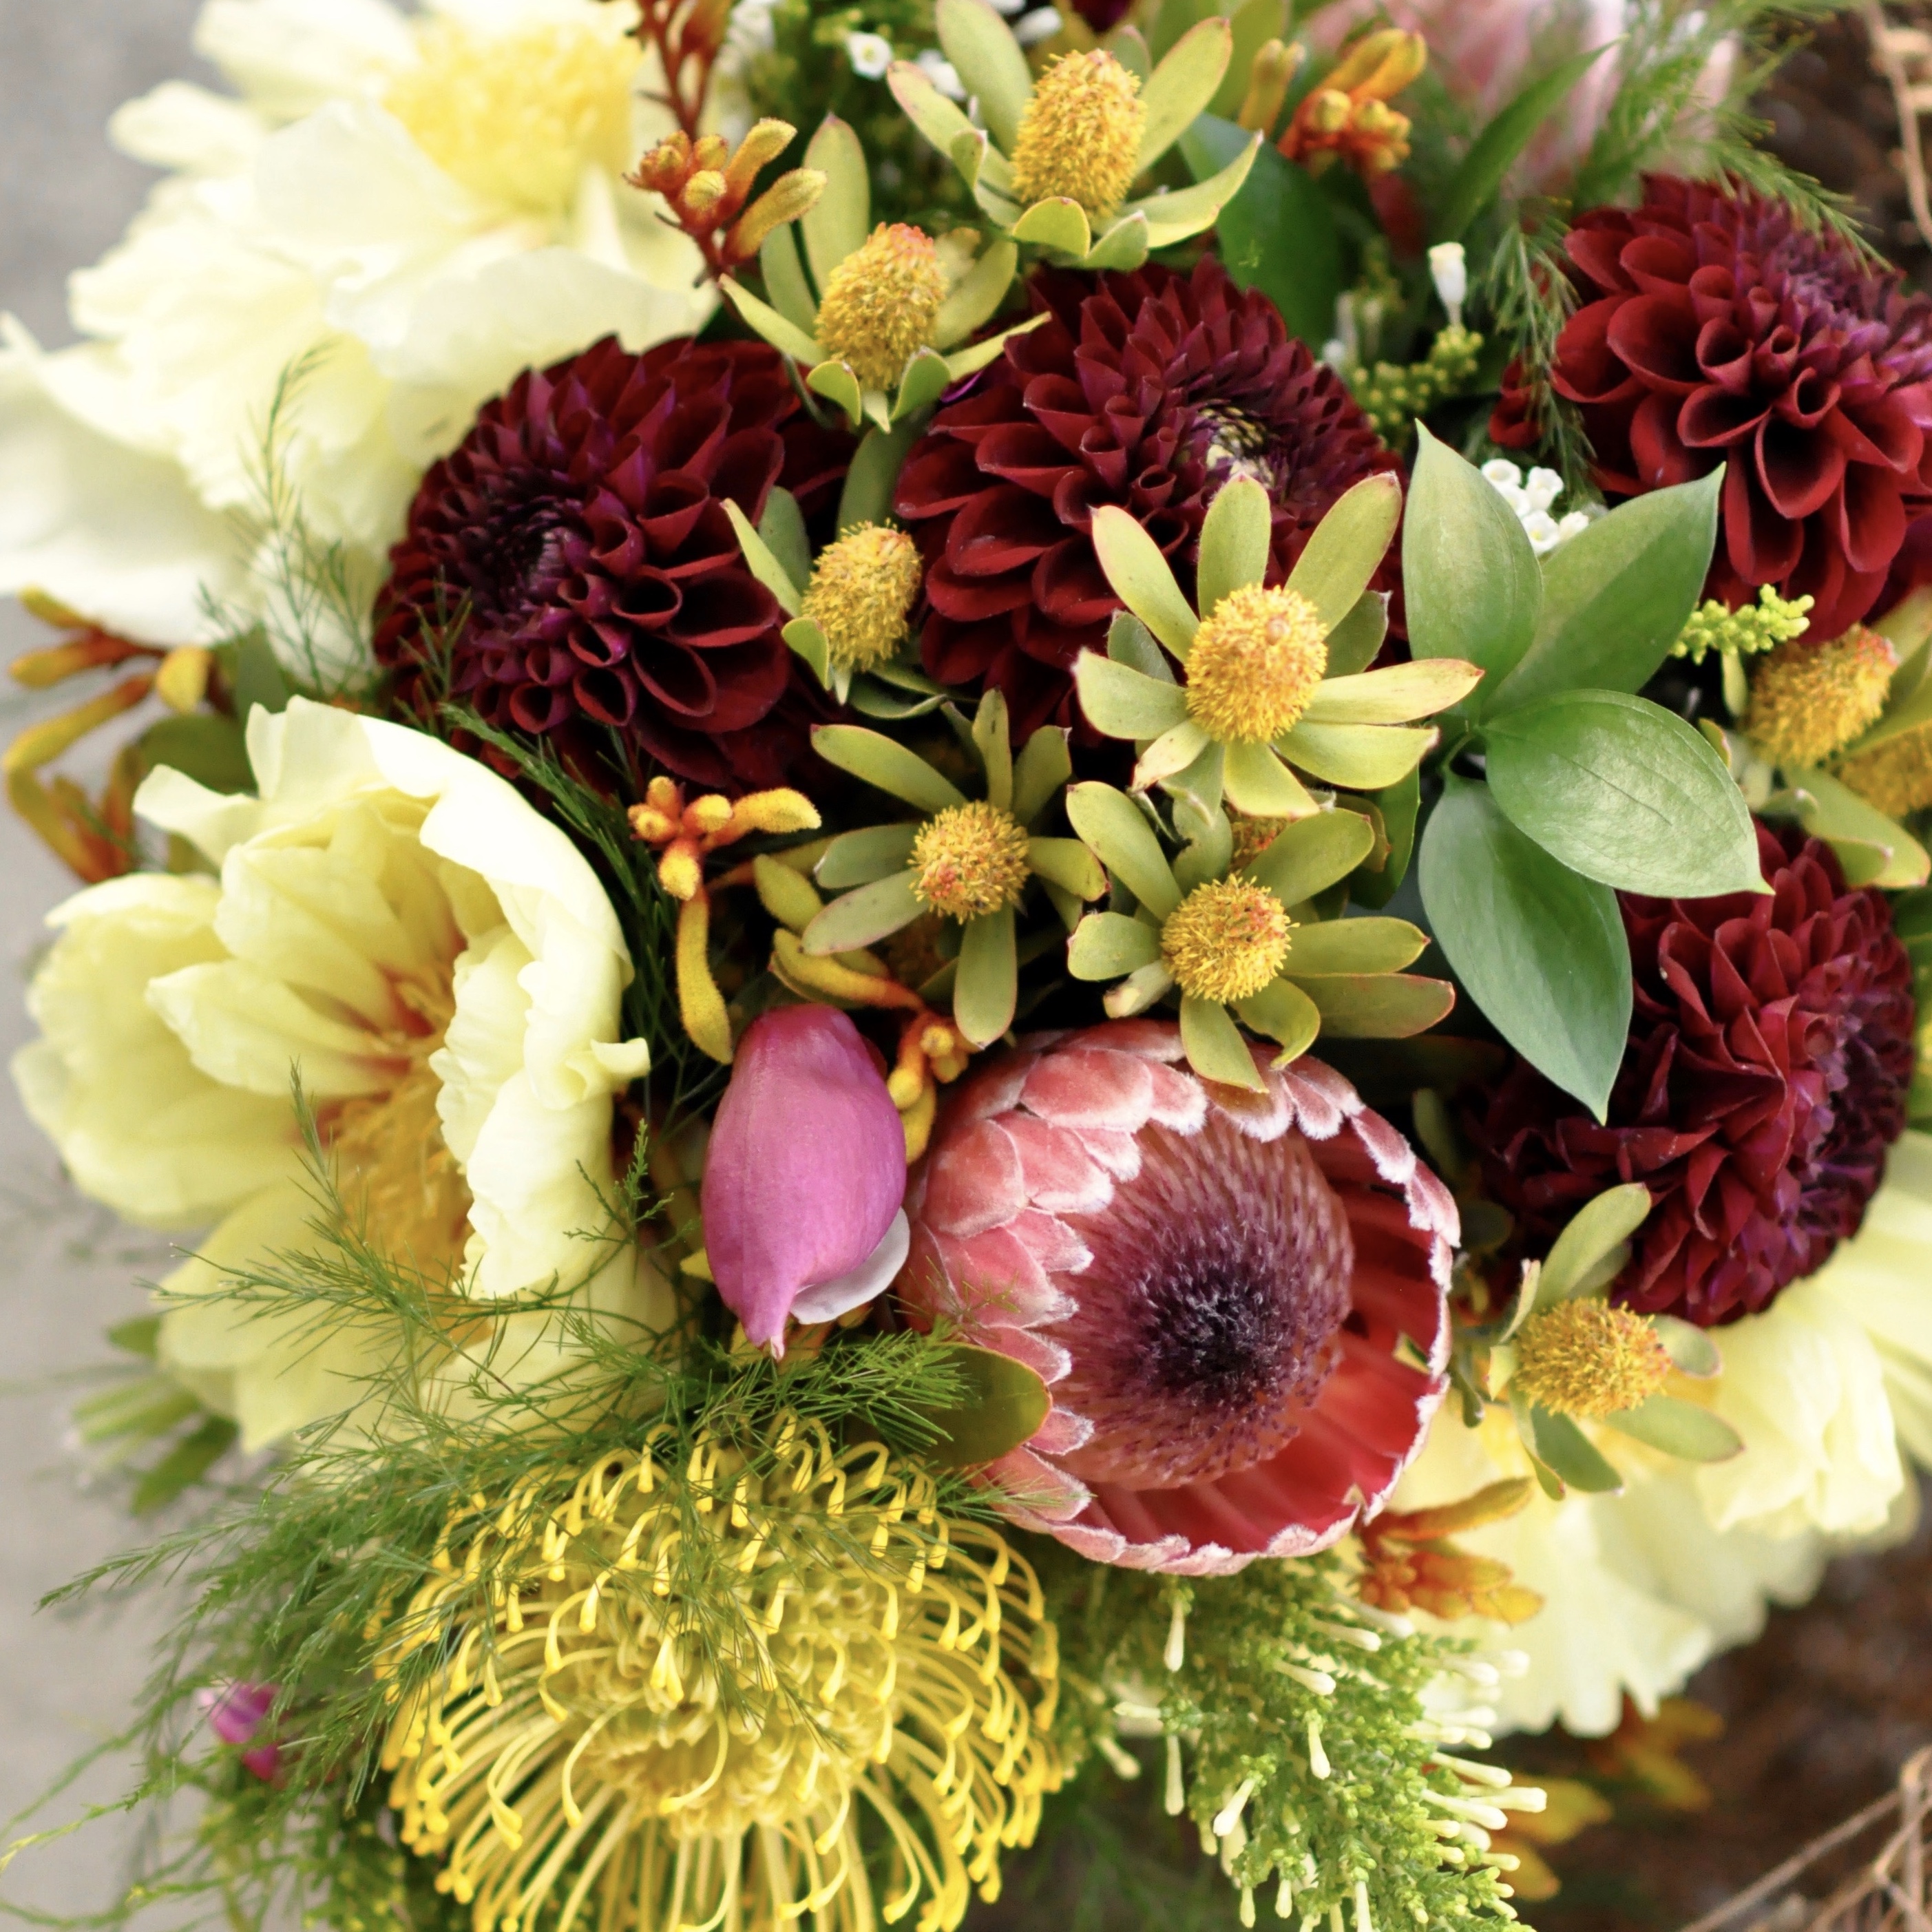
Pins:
<point x="569" y="571"/>
<point x="1220" y="1277"/>
<point x="1715" y="332"/>
<point x="1148" y="390"/>
<point x="1770" y="1050"/>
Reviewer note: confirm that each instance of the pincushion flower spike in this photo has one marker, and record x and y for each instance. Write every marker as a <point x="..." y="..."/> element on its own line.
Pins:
<point x="1057" y="155"/>
<point x="1236" y="1296"/>
<point x="1259" y="697"/>
<point x="969" y="860"/>
<point x="891" y="302"/>
<point x="804" y="1176"/>
<point x="1243" y="939"/>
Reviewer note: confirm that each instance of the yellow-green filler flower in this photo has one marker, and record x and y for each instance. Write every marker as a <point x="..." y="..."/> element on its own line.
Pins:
<point x="1247" y="939"/>
<point x="890" y="301"/>
<point x="1258" y="696"/>
<point x="1056" y="156"/>
<point x="968" y="859"/>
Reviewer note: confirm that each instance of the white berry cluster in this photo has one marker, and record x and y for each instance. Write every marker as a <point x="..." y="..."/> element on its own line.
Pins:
<point x="1532" y="497"/>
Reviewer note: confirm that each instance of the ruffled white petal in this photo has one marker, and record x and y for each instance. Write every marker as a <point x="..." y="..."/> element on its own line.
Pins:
<point x="113" y="531"/>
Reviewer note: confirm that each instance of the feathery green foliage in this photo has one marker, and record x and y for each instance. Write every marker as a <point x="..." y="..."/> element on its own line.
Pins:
<point x="1298" y="1739"/>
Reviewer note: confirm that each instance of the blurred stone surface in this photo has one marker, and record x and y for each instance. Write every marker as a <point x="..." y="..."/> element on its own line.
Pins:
<point x="66" y="1683"/>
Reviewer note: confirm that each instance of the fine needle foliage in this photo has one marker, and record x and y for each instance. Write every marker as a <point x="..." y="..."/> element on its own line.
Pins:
<point x="303" y="1583"/>
<point x="1305" y="1743"/>
<point x="1686" y="75"/>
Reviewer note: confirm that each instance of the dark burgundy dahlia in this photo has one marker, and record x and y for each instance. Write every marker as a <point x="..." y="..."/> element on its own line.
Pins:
<point x="1716" y="332"/>
<point x="1147" y="391"/>
<point x="572" y="564"/>
<point x="1770" y="1051"/>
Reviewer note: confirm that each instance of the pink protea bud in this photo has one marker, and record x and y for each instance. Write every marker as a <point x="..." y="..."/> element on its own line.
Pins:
<point x="805" y="1175"/>
<point x="1216" y="1286"/>
<point x="235" y="1715"/>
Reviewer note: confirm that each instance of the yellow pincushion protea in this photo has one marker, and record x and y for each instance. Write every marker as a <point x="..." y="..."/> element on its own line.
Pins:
<point x="707" y="1688"/>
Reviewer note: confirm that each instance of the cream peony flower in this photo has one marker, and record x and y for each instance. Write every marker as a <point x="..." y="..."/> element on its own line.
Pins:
<point x="412" y="208"/>
<point x="392" y="921"/>
<point x="1831" y="1390"/>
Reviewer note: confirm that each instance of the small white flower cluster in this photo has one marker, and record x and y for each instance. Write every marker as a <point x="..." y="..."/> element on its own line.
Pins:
<point x="1532" y="498"/>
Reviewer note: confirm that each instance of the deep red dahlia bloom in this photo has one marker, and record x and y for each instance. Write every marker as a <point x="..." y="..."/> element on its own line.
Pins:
<point x="1771" y="1049"/>
<point x="1715" y="331"/>
<point x="579" y="532"/>
<point x="1215" y="1285"/>
<point x="1147" y="391"/>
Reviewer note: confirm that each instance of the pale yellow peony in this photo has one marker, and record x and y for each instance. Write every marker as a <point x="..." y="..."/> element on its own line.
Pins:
<point x="394" y="924"/>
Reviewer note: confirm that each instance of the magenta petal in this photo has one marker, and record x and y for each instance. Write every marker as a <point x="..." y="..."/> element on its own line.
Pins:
<point x="806" y="1167"/>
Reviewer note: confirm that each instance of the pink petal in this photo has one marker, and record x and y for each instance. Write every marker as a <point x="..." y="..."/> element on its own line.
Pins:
<point x="1120" y="1154"/>
<point x="1180" y="1100"/>
<point x="1048" y="1360"/>
<point x="1059" y="1175"/>
<point x="975" y="1182"/>
<point x="1061" y="1433"/>
<point x="1040" y="1488"/>
<point x="1056" y="1246"/>
<point x="1087" y="1089"/>
<point x="997" y="1276"/>
<point x="1265" y="1116"/>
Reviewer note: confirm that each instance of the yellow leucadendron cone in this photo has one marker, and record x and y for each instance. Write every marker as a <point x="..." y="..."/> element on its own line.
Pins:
<point x="1226" y="940"/>
<point x="1808" y="700"/>
<point x="1258" y="658"/>
<point x="1080" y="135"/>
<point x="970" y="860"/>
<point x="1587" y="1358"/>
<point x="861" y="594"/>
<point x="881" y="305"/>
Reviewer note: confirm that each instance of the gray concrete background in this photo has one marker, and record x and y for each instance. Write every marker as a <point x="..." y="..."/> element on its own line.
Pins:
<point x="66" y="1683"/>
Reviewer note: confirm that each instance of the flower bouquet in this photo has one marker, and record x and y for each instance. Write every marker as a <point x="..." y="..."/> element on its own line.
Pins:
<point x="1018" y="916"/>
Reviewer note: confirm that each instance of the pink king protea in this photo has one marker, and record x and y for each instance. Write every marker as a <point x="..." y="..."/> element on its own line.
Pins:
<point x="1215" y="1286"/>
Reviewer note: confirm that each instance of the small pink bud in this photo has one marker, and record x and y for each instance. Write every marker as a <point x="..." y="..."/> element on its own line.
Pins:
<point x="235" y="1715"/>
<point x="805" y="1175"/>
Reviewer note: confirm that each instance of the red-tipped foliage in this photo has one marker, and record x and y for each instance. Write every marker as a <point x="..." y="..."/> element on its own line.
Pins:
<point x="1771" y="1049"/>
<point x="1147" y="391"/>
<point x="1715" y="331"/>
<point x="569" y="570"/>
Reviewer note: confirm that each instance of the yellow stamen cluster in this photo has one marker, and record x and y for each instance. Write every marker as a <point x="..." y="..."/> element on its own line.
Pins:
<point x="1226" y="940"/>
<point x="1258" y="658"/>
<point x="1809" y="699"/>
<point x="1589" y="1359"/>
<point x="516" y="117"/>
<point x="1897" y="775"/>
<point x="861" y="593"/>
<point x="709" y="1690"/>
<point x="970" y="860"/>
<point x="401" y="1187"/>
<point x="1081" y="134"/>
<point x="881" y="303"/>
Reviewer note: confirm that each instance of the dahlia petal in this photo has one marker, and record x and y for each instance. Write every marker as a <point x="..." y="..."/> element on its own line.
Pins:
<point x="1799" y="468"/>
<point x="1657" y="337"/>
<point x="1763" y="547"/>
<point x="1657" y="452"/>
<point x="1710" y="418"/>
<point x="1871" y="519"/>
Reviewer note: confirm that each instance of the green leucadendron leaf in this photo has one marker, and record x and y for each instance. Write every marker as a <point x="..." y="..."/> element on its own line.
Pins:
<point x="1622" y="790"/>
<point x="1540" y="948"/>
<point x="1615" y="596"/>
<point x="1475" y="589"/>
<point x="1278" y="234"/>
<point x="1004" y="1403"/>
<point x="1678" y="1428"/>
<point x="1595" y="1233"/>
<point x="1563" y="1449"/>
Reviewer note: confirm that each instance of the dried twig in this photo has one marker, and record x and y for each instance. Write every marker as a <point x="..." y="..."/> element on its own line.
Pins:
<point x="1886" y="1894"/>
<point x="1887" y="56"/>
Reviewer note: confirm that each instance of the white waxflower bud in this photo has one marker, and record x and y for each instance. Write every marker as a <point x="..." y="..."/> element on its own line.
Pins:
<point x="1450" y="269"/>
<point x="870" y="54"/>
